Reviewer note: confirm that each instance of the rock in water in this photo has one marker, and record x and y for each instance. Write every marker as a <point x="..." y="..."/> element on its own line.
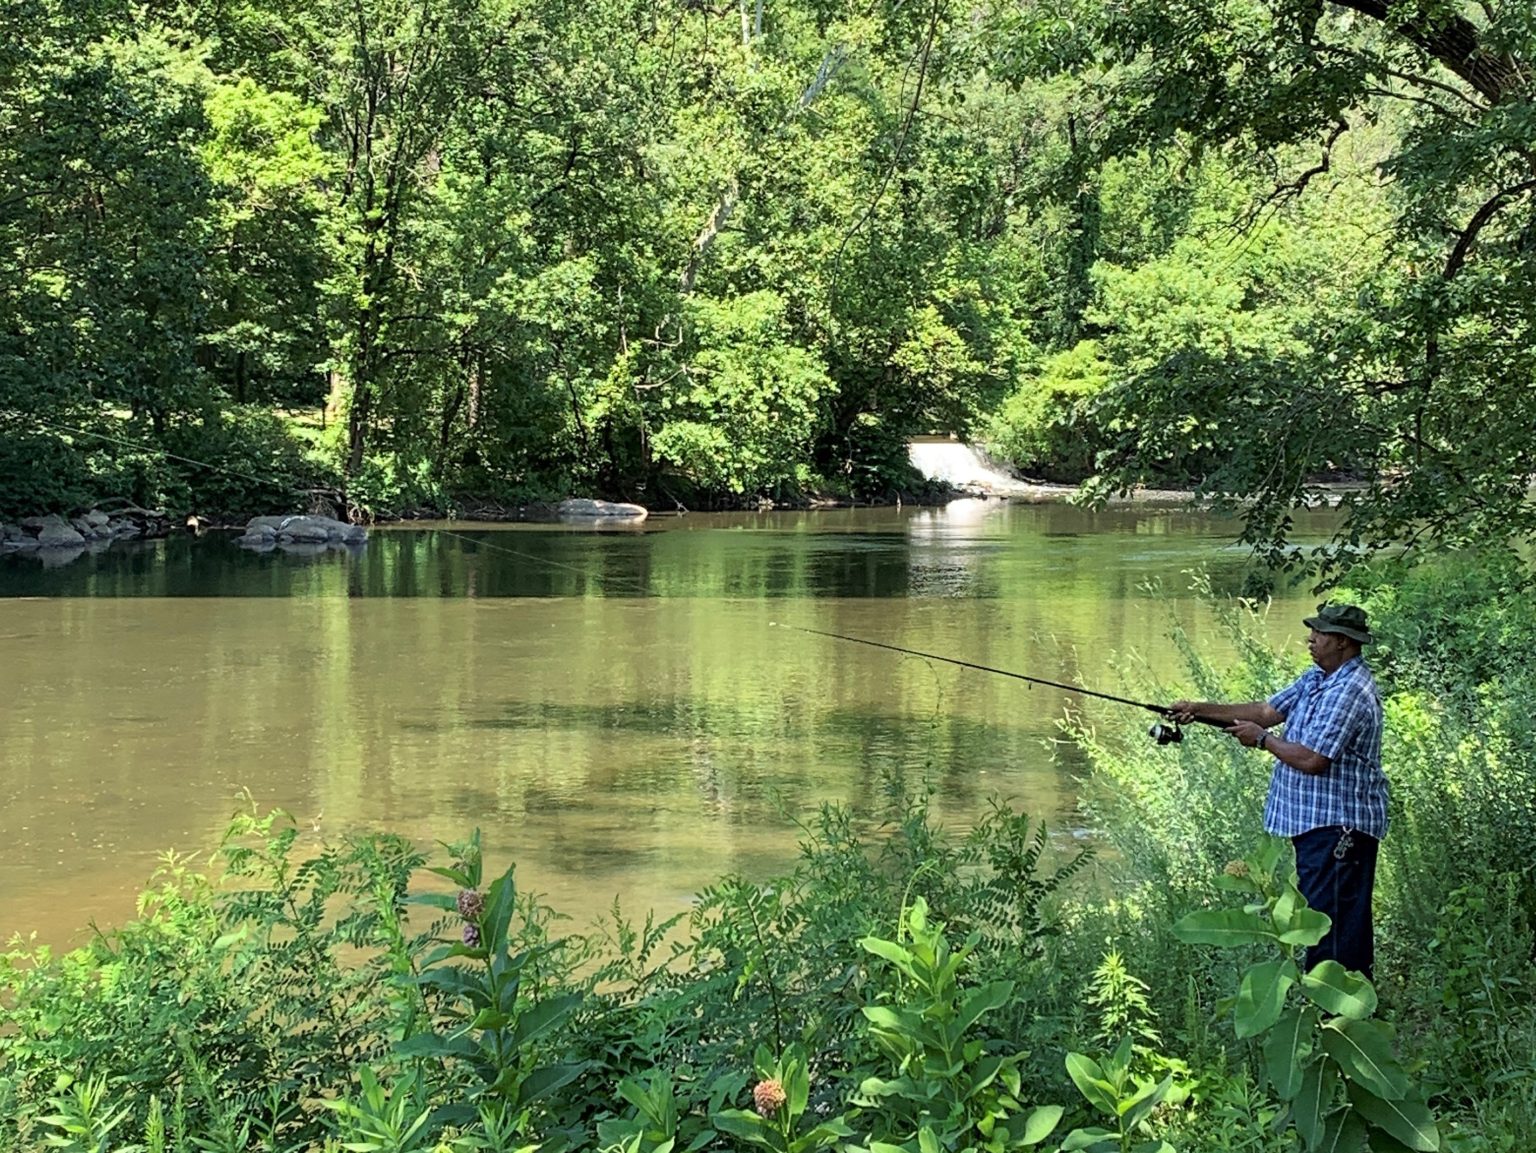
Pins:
<point x="267" y="531"/>
<point x="604" y="509"/>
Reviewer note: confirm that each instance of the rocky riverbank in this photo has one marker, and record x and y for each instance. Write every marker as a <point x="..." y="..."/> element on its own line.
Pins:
<point x="54" y="532"/>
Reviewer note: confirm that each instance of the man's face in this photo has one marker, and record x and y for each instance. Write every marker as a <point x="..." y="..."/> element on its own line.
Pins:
<point x="1327" y="649"/>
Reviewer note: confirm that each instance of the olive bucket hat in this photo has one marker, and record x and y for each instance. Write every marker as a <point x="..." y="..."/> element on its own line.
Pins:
<point x="1349" y="620"/>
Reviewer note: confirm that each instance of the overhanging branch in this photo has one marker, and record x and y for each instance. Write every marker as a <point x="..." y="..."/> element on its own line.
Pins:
<point x="1480" y="218"/>
<point x="1457" y="43"/>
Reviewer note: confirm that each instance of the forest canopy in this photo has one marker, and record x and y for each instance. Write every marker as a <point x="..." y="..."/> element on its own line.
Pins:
<point x="673" y="252"/>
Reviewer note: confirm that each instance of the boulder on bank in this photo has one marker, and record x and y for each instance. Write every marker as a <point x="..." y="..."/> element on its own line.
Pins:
<point x="52" y="531"/>
<point x="270" y="531"/>
<point x="94" y="528"/>
<point x="582" y="510"/>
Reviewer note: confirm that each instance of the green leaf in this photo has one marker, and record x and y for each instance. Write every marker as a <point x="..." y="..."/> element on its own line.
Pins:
<point x="538" y="1019"/>
<point x="1090" y="1082"/>
<point x="1261" y="996"/>
<point x="820" y="1137"/>
<point x="542" y="1082"/>
<point x="1319" y="1087"/>
<point x="1344" y="1133"/>
<point x="1224" y="927"/>
<point x="1039" y="1124"/>
<point x="891" y="951"/>
<point x="1363" y="1051"/>
<point x="1410" y="1122"/>
<point x="1137" y="1108"/>
<point x="1334" y="989"/>
<point x="984" y="1000"/>
<point x="1227" y="883"/>
<point x="1093" y="1140"/>
<point x="740" y="1123"/>
<point x="1307" y="927"/>
<point x="1286" y="1049"/>
<point x="893" y="1020"/>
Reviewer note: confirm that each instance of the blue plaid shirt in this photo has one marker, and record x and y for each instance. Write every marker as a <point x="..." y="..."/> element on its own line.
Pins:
<point x="1339" y="716"/>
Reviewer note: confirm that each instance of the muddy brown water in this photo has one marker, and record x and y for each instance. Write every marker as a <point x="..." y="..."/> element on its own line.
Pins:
<point x="616" y="710"/>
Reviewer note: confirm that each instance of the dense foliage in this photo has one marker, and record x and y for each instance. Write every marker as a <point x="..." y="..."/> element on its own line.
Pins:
<point x="902" y="988"/>
<point x="672" y="252"/>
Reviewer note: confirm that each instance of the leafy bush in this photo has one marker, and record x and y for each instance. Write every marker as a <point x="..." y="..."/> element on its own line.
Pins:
<point x="745" y="410"/>
<point x="42" y="474"/>
<point x="1043" y="427"/>
<point x="238" y="463"/>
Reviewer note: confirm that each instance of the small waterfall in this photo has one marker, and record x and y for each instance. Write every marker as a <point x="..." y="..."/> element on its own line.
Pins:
<point x="964" y="466"/>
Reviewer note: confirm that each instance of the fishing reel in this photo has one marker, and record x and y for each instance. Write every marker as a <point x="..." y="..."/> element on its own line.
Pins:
<point x="1166" y="734"/>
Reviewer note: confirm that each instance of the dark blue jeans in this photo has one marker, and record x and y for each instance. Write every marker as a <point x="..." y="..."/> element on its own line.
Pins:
<point x="1340" y="883"/>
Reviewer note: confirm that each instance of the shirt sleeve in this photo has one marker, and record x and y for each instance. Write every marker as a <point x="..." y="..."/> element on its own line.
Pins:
<point x="1340" y="714"/>
<point x="1285" y="700"/>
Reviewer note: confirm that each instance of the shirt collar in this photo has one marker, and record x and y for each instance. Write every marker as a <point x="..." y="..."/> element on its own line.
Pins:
<point x="1349" y="664"/>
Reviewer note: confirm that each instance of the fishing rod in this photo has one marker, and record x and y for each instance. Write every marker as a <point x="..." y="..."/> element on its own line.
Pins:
<point x="1163" y="734"/>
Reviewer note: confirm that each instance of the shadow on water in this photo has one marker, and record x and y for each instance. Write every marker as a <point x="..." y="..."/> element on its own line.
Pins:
<point x="725" y="746"/>
<point x="617" y="711"/>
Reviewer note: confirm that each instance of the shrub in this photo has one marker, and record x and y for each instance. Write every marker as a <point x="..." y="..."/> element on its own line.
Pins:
<point x="1043" y="428"/>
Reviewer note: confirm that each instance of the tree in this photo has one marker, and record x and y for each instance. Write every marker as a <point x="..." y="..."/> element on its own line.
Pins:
<point x="1432" y="373"/>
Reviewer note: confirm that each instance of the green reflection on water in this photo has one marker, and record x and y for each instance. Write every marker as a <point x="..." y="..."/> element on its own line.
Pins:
<point x="614" y="709"/>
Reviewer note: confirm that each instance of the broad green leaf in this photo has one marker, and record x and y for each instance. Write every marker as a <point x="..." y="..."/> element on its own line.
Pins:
<point x="1319" y="1087"/>
<point x="989" y="997"/>
<point x="884" y="1017"/>
<point x="1307" y="927"/>
<point x="1136" y="1110"/>
<point x="1261" y="996"/>
<point x="1223" y="927"/>
<point x="1334" y="989"/>
<point x="1089" y="1079"/>
<point x="433" y="1045"/>
<point x="490" y="1019"/>
<point x="1269" y="854"/>
<point x="822" y="1136"/>
<point x="543" y="1081"/>
<point x="739" y="1123"/>
<point x="1410" y="1122"/>
<point x="444" y="901"/>
<point x="891" y="951"/>
<point x="1363" y="1051"/>
<point x="1286" y="904"/>
<point x="538" y="1019"/>
<point x="1286" y="1049"/>
<point x="1093" y="1140"/>
<point x="1344" y="1133"/>
<point x="1039" y="1124"/>
<point x="500" y="908"/>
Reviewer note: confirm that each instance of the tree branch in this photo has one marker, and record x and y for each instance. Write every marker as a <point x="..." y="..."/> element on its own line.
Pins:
<point x="1457" y="43"/>
<point x="1480" y="218"/>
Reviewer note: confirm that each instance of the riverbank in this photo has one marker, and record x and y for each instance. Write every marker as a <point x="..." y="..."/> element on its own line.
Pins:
<point x="305" y="1002"/>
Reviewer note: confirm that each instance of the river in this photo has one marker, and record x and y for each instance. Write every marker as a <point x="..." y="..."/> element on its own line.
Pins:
<point x="623" y="713"/>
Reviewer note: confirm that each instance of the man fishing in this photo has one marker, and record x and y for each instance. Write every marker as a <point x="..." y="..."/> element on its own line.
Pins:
<point x="1327" y="792"/>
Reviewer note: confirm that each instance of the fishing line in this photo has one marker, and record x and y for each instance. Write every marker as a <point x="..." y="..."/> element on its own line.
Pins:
<point x="1160" y="733"/>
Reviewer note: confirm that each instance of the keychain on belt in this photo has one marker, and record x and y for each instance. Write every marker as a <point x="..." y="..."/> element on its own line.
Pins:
<point x="1346" y="842"/>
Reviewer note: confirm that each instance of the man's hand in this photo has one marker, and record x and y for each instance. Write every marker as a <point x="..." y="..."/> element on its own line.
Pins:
<point x="1182" y="711"/>
<point x="1247" y="733"/>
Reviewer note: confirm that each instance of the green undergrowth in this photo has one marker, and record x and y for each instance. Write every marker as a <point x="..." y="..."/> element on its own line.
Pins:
<point x="903" y="987"/>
